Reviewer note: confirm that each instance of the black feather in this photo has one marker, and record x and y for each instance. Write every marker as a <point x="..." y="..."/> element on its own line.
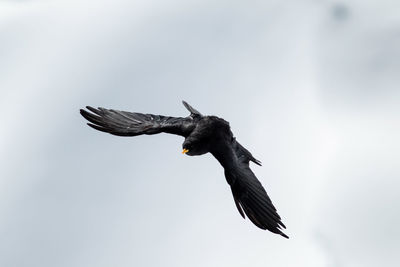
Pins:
<point x="202" y="134"/>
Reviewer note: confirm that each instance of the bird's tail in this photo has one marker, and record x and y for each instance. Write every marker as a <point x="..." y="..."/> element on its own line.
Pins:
<point x="193" y="112"/>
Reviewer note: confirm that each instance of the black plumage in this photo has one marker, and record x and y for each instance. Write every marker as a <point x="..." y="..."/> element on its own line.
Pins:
<point x="202" y="134"/>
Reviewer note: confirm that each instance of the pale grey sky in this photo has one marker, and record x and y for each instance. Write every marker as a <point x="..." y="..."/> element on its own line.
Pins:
<point x="309" y="87"/>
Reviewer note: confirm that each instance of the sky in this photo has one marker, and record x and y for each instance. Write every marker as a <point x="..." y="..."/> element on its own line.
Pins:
<point x="311" y="88"/>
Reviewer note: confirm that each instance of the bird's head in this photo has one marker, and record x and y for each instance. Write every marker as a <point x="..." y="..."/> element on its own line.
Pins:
<point x="194" y="147"/>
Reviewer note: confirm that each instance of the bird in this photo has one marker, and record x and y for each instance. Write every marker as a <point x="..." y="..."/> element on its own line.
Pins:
<point x="203" y="134"/>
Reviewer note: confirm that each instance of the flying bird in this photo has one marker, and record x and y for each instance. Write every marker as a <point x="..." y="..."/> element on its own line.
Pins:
<point x="203" y="134"/>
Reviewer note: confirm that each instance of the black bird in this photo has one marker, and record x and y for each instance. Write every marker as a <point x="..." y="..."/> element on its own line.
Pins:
<point x="202" y="134"/>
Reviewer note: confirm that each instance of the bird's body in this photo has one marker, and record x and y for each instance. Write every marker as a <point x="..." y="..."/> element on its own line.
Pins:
<point x="203" y="134"/>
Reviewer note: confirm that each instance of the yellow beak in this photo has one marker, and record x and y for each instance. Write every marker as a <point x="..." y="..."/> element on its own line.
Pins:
<point x="185" y="151"/>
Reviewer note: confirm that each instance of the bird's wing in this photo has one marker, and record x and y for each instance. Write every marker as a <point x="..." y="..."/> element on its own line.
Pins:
<point x="123" y="123"/>
<point x="249" y="195"/>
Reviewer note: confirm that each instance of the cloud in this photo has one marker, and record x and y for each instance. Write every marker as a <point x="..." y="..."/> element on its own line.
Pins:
<point x="310" y="96"/>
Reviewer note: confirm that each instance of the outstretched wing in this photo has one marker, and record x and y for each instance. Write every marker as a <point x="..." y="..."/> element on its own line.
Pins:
<point x="249" y="195"/>
<point x="123" y="123"/>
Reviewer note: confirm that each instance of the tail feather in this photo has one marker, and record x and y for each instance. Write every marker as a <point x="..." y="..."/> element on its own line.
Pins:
<point x="193" y="112"/>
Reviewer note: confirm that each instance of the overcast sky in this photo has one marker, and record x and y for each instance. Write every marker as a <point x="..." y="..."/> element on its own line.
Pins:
<point x="311" y="88"/>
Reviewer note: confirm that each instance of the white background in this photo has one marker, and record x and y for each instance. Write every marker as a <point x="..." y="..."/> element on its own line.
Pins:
<point x="311" y="88"/>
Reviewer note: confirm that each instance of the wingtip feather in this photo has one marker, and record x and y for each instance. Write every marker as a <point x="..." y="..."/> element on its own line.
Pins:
<point x="284" y="235"/>
<point x="96" y="127"/>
